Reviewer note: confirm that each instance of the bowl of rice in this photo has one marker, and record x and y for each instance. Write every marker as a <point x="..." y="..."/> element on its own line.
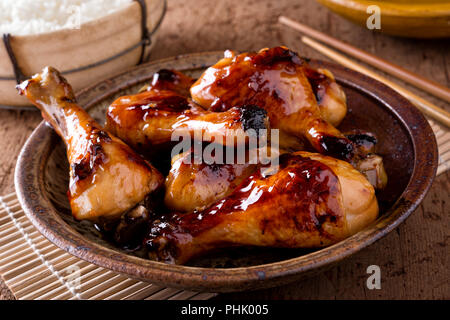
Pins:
<point x="89" y="40"/>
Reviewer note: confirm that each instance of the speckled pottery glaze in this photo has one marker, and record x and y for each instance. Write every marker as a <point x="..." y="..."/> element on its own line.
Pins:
<point x="407" y="144"/>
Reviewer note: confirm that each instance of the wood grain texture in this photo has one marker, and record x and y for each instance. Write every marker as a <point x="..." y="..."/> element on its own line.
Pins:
<point x="414" y="258"/>
<point x="5" y="293"/>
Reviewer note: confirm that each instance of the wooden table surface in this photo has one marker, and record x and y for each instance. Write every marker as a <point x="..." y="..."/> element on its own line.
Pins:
<point x="413" y="258"/>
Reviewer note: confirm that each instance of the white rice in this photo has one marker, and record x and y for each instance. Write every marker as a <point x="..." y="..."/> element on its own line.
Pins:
<point x="21" y="17"/>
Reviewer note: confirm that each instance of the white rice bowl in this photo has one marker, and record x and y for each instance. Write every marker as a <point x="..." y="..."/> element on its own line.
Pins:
<point x="27" y="17"/>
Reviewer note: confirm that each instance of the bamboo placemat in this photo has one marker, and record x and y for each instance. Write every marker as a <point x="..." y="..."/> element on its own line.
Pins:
<point x="443" y="141"/>
<point x="34" y="268"/>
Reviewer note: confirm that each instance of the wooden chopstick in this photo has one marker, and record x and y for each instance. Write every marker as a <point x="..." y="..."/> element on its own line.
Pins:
<point x="427" y="107"/>
<point x="414" y="79"/>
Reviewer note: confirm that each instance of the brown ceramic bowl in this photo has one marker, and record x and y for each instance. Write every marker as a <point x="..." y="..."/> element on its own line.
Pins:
<point x="407" y="144"/>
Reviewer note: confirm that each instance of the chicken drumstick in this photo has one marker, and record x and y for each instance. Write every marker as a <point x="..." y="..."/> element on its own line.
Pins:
<point x="107" y="177"/>
<point x="312" y="201"/>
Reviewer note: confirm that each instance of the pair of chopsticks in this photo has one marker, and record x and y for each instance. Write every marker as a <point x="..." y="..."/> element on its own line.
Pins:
<point x="427" y="85"/>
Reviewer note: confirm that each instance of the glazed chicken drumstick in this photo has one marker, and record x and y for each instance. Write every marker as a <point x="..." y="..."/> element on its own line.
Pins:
<point x="149" y="120"/>
<point x="107" y="178"/>
<point x="312" y="201"/>
<point x="282" y="83"/>
<point x="277" y="80"/>
<point x="274" y="79"/>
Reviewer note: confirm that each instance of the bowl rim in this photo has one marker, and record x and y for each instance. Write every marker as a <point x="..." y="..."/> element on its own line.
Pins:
<point x="38" y="208"/>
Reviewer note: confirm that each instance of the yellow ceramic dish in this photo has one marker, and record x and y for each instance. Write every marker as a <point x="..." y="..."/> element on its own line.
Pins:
<point x="408" y="18"/>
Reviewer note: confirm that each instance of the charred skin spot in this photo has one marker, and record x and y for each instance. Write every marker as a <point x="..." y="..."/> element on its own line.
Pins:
<point x="95" y="155"/>
<point x="340" y="148"/>
<point x="68" y="99"/>
<point x="86" y="167"/>
<point x="129" y="232"/>
<point x="103" y="136"/>
<point x="161" y="240"/>
<point x="173" y="80"/>
<point x="132" y="227"/>
<point x="81" y="170"/>
<point x="362" y="138"/>
<point x="365" y="141"/>
<point x="166" y="75"/>
<point x="253" y="117"/>
<point x="276" y="55"/>
<point x="134" y="224"/>
<point x="161" y="101"/>
<point x="321" y="219"/>
<point x="318" y="81"/>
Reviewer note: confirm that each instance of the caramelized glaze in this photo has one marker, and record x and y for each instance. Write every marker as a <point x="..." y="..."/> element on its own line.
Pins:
<point x="150" y="119"/>
<point x="276" y="80"/>
<point x="308" y="200"/>
<point x="191" y="187"/>
<point x="97" y="159"/>
<point x="301" y="206"/>
<point x="171" y="80"/>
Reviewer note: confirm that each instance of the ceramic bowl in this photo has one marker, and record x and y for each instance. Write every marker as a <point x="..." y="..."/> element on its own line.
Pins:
<point x="407" y="144"/>
<point x="69" y="49"/>
<point x="406" y="18"/>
